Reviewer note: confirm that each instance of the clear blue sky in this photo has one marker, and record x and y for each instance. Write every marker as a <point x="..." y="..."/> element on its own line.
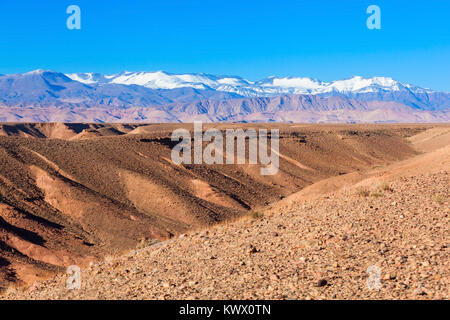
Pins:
<point x="252" y="38"/>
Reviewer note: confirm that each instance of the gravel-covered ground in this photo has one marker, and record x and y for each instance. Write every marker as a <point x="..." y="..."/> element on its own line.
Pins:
<point x="316" y="249"/>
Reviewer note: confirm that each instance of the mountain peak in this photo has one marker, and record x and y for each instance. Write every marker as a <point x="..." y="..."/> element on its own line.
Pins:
<point x="269" y="86"/>
<point x="39" y="72"/>
<point x="188" y="95"/>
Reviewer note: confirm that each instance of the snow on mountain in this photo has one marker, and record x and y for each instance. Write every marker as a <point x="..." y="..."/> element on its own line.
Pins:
<point x="270" y="86"/>
<point x="155" y="80"/>
<point x="89" y="78"/>
<point x="302" y="84"/>
<point x="159" y="96"/>
<point x="41" y="88"/>
<point x="360" y="84"/>
<point x="164" y="80"/>
<point x="356" y="84"/>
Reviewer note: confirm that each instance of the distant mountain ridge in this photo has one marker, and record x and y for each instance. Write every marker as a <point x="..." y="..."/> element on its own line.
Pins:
<point x="266" y="87"/>
<point x="48" y="88"/>
<point x="366" y="89"/>
<point x="43" y="95"/>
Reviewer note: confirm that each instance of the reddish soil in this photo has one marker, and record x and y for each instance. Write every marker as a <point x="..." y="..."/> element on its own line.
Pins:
<point x="73" y="193"/>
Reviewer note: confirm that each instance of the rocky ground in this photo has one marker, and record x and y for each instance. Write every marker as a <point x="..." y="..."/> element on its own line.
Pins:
<point x="330" y="247"/>
<point x="73" y="193"/>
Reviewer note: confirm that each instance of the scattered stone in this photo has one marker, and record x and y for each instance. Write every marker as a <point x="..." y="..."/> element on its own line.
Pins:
<point x="408" y="251"/>
<point x="166" y="285"/>
<point x="251" y="249"/>
<point x="321" y="283"/>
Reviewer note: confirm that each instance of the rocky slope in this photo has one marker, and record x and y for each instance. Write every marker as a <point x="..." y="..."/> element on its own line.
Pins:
<point x="70" y="193"/>
<point x="311" y="250"/>
<point x="319" y="243"/>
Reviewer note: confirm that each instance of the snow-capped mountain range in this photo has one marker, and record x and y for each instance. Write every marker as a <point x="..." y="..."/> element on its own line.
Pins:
<point x="271" y="86"/>
<point x="41" y="96"/>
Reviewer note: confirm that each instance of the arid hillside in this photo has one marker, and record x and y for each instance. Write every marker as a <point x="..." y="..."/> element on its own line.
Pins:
<point x="378" y="234"/>
<point x="73" y="193"/>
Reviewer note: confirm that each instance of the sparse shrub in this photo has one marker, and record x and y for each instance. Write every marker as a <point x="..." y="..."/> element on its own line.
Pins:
<point x="363" y="193"/>
<point x="439" y="199"/>
<point x="146" y="242"/>
<point x="9" y="290"/>
<point x="108" y="258"/>
<point x="385" y="187"/>
<point x="256" y="215"/>
<point x="376" y="194"/>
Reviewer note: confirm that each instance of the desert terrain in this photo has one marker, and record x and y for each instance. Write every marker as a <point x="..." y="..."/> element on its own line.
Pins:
<point x="107" y="197"/>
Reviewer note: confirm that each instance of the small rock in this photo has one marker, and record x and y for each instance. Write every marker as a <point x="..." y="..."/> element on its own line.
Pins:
<point x="251" y="249"/>
<point x="166" y="285"/>
<point x="388" y="276"/>
<point x="321" y="283"/>
<point x="274" y="277"/>
<point x="420" y="291"/>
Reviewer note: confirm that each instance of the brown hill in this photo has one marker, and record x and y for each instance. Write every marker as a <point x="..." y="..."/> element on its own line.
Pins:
<point x="322" y="246"/>
<point x="72" y="193"/>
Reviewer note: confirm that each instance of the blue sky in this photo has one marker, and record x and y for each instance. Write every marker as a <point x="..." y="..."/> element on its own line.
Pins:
<point x="327" y="40"/>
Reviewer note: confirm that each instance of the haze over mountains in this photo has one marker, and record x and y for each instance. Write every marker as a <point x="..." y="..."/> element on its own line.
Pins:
<point x="43" y="96"/>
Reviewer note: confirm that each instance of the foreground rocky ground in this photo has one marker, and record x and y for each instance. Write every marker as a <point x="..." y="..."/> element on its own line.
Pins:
<point x="75" y="193"/>
<point x="320" y="248"/>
